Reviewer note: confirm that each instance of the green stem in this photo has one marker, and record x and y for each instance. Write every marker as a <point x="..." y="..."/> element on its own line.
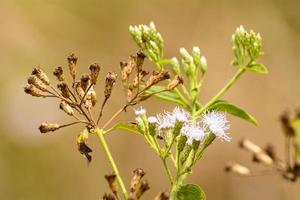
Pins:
<point x="222" y="91"/>
<point x="111" y="161"/>
<point x="168" y="170"/>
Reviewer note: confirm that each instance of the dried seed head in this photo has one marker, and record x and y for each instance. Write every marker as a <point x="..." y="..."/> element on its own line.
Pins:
<point x="30" y="89"/>
<point x="85" y="81"/>
<point x="139" y="77"/>
<point x="95" y="69"/>
<point x="136" y="179"/>
<point x="237" y="168"/>
<point x="66" y="108"/>
<point x="38" y="72"/>
<point x="111" y="179"/>
<point x="91" y="96"/>
<point x="33" y="80"/>
<point x="85" y="150"/>
<point x="63" y="87"/>
<point x="142" y="189"/>
<point x="79" y="90"/>
<point x="175" y="82"/>
<point x="162" y="196"/>
<point x="72" y="60"/>
<point x="140" y="57"/>
<point x="47" y="127"/>
<point x="59" y="73"/>
<point x="157" y="77"/>
<point x="124" y="75"/>
<point x="129" y="94"/>
<point x="110" y="80"/>
<point x="109" y="196"/>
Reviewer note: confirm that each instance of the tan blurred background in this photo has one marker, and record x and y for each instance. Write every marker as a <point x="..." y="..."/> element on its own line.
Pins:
<point x="32" y="33"/>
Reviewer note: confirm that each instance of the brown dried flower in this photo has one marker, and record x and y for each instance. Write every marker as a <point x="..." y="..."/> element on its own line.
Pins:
<point x="38" y="72"/>
<point x="47" y="127"/>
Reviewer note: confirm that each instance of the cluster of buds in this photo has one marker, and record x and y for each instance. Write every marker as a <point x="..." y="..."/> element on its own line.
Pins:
<point x="288" y="168"/>
<point x="137" y="186"/>
<point x="137" y="81"/>
<point x="246" y="46"/>
<point x="76" y="99"/>
<point x="176" y="128"/>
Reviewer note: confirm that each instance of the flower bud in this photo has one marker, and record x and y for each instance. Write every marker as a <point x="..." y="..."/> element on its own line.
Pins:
<point x="196" y="55"/>
<point x="33" y="80"/>
<point x="175" y="66"/>
<point x="110" y="80"/>
<point x="95" y="69"/>
<point x="41" y="75"/>
<point x="152" y="125"/>
<point x="47" y="127"/>
<point x="66" y="108"/>
<point x="186" y="152"/>
<point x="59" y="73"/>
<point x="72" y="60"/>
<point x="30" y="89"/>
<point x="181" y="143"/>
<point x="203" y="64"/>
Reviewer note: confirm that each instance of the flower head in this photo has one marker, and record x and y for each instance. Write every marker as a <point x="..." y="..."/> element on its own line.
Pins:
<point x="217" y="123"/>
<point x="139" y="111"/>
<point x="180" y="115"/>
<point x="152" y="120"/>
<point x="192" y="132"/>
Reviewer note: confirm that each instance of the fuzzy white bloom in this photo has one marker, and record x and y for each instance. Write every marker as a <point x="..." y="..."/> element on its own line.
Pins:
<point x="217" y="123"/>
<point x="192" y="132"/>
<point x="196" y="50"/>
<point x="167" y="120"/>
<point x="152" y="120"/>
<point x="203" y="61"/>
<point x="140" y="111"/>
<point x="180" y="115"/>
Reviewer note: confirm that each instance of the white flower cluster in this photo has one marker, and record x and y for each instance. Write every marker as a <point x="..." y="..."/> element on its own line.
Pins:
<point x="211" y="121"/>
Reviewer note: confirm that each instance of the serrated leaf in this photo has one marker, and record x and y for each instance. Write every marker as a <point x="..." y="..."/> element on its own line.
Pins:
<point x="224" y="106"/>
<point x="170" y="96"/>
<point x="190" y="192"/>
<point x="259" y="68"/>
<point x="124" y="126"/>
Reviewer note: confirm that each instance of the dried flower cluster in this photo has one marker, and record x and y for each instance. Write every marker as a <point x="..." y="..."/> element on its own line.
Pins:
<point x="288" y="168"/>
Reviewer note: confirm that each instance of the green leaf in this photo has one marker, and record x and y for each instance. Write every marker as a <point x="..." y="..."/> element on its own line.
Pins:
<point x="224" y="106"/>
<point x="190" y="192"/>
<point x="170" y="96"/>
<point x="259" y="68"/>
<point x="124" y="126"/>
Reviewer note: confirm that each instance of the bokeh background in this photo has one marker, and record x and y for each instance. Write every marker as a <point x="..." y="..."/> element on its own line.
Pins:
<point x="42" y="33"/>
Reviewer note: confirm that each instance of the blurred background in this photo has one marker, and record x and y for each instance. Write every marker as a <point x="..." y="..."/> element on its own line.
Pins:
<point x="43" y="33"/>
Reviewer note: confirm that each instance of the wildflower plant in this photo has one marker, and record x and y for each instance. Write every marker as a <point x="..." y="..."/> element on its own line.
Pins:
<point x="181" y="135"/>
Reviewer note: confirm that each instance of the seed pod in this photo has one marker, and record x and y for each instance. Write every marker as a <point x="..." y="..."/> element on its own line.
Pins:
<point x="124" y="75"/>
<point x="79" y="90"/>
<point x="66" y="108"/>
<point x="237" y="168"/>
<point x="110" y="80"/>
<point x="30" y="89"/>
<point x="156" y="78"/>
<point x="59" y="73"/>
<point x="136" y="179"/>
<point x="72" y="60"/>
<point x="47" y="127"/>
<point x="95" y="69"/>
<point x="38" y="72"/>
<point x="91" y="96"/>
<point x="33" y="80"/>
<point x="88" y="104"/>
<point x="175" y="82"/>
<point x="142" y="189"/>
<point x="63" y="87"/>
<point x="113" y="185"/>
<point x="85" y="81"/>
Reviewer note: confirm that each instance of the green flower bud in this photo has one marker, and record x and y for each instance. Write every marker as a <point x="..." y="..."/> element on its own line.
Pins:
<point x="181" y="143"/>
<point x="175" y="66"/>
<point x="203" y="64"/>
<point x="186" y="152"/>
<point x="196" y="55"/>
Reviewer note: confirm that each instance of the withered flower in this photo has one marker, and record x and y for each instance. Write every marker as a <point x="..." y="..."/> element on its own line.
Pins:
<point x="162" y="196"/>
<point x="142" y="189"/>
<point x="38" y="72"/>
<point x="85" y="81"/>
<point x="33" y="80"/>
<point x="109" y="83"/>
<point x="85" y="150"/>
<point x="79" y="90"/>
<point x="175" y="82"/>
<point x="72" y="60"/>
<point x="95" y="69"/>
<point x="157" y="77"/>
<point x="30" y="89"/>
<point x="47" y="127"/>
<point x="139" y="77"/>
<point x="63" y="87"/>
<point x="109" y="196"/>
<point x="136" y="179"/>
<point x="66" y="108"/>
<point x="113" y="185"/>
<point x="59" y="73"/>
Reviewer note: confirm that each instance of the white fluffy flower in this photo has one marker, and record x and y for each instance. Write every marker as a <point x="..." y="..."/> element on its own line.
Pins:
<point x="140" y="111"/>
<point x="192" y="132"/>
<point x="167" y="120"/>
<point x="180" y="115"/>
<point x="217" y="123"/>
<point x="152" y="120"/>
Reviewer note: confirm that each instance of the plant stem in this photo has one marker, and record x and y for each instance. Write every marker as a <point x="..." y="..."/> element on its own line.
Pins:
<point x="168" y="170"/>
<point x="111" y="161"/>
<point x="222" y="91"/>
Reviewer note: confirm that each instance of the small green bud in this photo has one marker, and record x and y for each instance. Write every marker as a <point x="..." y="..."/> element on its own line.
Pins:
<point x="196" y="55"/>
<point x="203" y="64"/>
<point x="152" y="125"/>
<point x="175" y="66"/>
<point x="195" y="144"/>
<point x="177" y="128"/>
<point x="186" y="152"/>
